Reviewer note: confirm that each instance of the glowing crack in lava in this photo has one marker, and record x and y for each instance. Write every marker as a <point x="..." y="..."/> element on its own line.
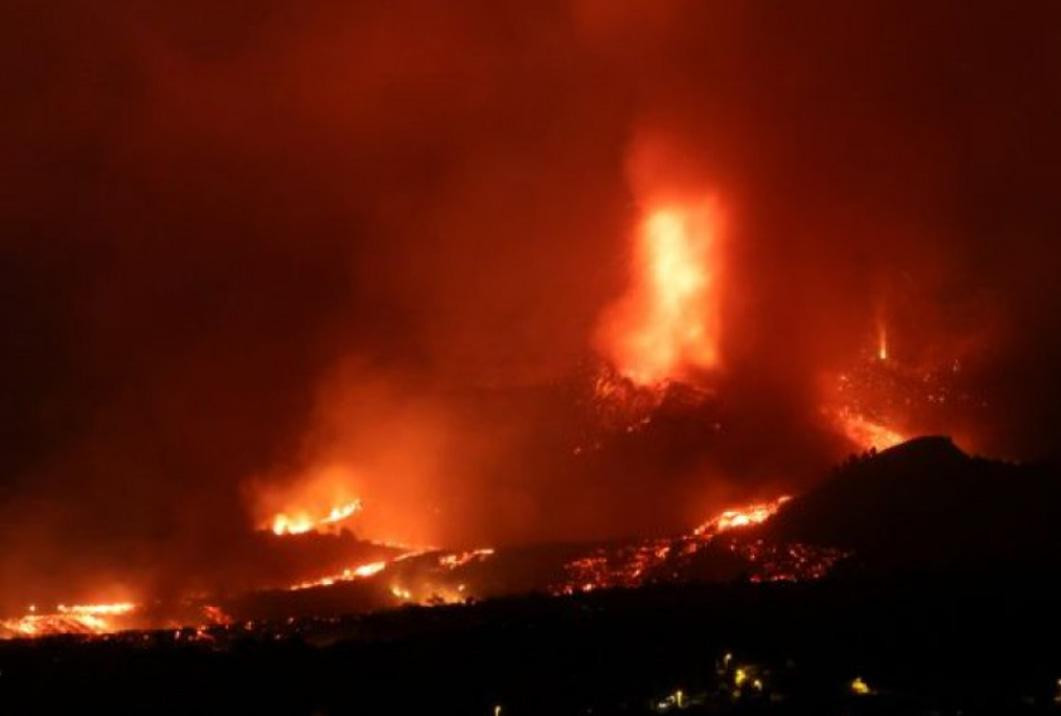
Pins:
<point x="302" y="522"/>
<point x="666" y="326"/>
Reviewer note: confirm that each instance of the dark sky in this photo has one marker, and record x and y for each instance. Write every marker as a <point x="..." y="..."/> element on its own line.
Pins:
<point x="237" y="235"/>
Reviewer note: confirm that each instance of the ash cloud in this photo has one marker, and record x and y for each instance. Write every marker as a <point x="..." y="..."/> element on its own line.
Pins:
<point x="212" y="212"/>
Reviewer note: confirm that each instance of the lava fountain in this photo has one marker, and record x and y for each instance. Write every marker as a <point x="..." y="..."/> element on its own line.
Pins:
<point x="666" y="327"/>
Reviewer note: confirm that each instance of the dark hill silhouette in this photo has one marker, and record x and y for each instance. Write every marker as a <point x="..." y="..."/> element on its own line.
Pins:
<point x="925" y="504"/>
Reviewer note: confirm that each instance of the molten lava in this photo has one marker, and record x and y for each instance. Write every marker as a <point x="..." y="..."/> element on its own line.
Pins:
<point x="666" y="327"/>
<point x="865" y="433"/>
<point x="347" y="575"/>
<point x="302" y="522"/>
<point x="753" y="514"/>
<point x="459" y="559"/>
<point x="632" y="565"/>
<point x="868" y="402"/>
<point x="321" y="499"/>
<point x="73" y="619"/>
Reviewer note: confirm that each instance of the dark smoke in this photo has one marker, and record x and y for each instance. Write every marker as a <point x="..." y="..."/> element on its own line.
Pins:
<point x="240" y="237"/>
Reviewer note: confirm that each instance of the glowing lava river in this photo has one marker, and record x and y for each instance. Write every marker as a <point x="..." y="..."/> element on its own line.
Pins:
<point x="719" y="549"/>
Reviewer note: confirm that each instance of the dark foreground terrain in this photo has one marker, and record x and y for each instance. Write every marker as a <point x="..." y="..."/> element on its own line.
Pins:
<point x="912" y="645"/>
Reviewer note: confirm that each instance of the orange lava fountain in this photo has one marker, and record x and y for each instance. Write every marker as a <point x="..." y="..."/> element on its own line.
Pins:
<point x="666" y="326"/>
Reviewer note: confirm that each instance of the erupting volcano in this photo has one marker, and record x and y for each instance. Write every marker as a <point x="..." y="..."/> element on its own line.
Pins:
<point x="334" y="331"/>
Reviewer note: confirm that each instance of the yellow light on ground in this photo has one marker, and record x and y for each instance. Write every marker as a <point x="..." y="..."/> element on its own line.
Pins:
<point x="859" y="687"/>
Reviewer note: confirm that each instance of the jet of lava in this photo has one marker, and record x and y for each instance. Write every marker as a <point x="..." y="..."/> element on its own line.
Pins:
<point x="666" y="326"/>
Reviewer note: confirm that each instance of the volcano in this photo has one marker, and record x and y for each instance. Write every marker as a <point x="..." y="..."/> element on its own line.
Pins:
<point x="506" y="357"/>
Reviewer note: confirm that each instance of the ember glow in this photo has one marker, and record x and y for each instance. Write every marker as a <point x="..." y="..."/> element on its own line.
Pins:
<point x="666" y="327"/>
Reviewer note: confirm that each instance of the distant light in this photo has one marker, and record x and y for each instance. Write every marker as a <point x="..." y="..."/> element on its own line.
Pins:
<point x="860" y="687"/>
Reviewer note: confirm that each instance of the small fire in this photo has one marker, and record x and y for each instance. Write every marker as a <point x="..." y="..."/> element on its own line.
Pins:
<point x="667" y="324"/>
<point x="302" y="522"/>
<point x="882" y="341"/>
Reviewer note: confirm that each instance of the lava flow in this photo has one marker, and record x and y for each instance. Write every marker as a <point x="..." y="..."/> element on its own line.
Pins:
<point x="433" y="577"/>
<point x="72" y="619"/>
<point x="669" y="559"/>
<point x="347" y="575"/>
<point x="752" y="514"/>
